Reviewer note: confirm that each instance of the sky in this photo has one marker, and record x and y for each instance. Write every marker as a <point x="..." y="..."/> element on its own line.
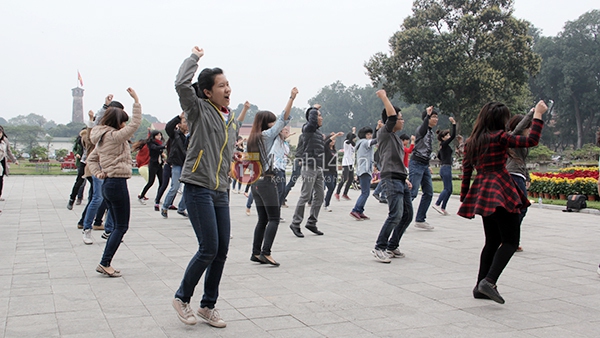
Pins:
<point x="265" y="47"/>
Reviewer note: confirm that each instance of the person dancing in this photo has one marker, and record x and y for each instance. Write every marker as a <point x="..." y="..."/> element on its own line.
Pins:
<point x="494" y="195"/>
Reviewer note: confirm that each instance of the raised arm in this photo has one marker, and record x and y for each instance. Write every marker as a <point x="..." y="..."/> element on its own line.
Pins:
<point x="242" y="115"/>
<point x="389" y="110"/>
<point x="536" y="130"/>
<point x="127" y="132"/>
<point x="288" y="106"/>
<point x="424" y="127"/>
<point x="170" y="127"/>
<point x="452" y="133"/>
<point x="183" y="82"/>
<point x="524" y="122"/>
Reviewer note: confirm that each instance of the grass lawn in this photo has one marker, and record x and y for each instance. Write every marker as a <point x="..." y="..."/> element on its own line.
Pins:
<point x="47" y="168"/>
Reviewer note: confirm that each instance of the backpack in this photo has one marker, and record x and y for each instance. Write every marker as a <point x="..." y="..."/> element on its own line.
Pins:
<point x="576" y="202"/>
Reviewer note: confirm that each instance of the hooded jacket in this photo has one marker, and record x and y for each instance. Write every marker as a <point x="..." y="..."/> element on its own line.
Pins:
<point x="112" y="154"/>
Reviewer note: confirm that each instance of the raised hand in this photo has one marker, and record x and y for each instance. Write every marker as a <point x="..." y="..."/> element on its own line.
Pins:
<point x="452" y="120"/>
<point x="133" y="94"/>
<point x="91" y="115"/>
<point x="108" y="99"/>
<point x="294" y="93"/>
<point x="412" y="138"/>
<point x="247" y="105"/>
<point x="198" y="51"/>
<point x="541" y="107"/>
<point x="429" y="110"/>
<point x="381" y="93"/>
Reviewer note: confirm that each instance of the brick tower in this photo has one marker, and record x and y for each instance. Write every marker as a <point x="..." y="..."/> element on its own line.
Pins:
<point x="77" y="105"/>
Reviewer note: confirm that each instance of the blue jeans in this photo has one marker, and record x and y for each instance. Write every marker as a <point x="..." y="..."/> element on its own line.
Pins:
<point x="380" y="190"/>
<point x="400" y="213"/>
<point x="175" y="175"/>
<point x="94" y="204"/>
<point x="520" y="181"/>
<point x="280" y="183"/>
<point x="365" y="189"/>
<point x="116" y="195"/>
<point x="330" y="182"/>
<point x="250" y="199"/>
<point x="296" y="172"/>
<point x="419" y="175"/>
<point x="208" y="212"/>
<point x="446" y="174"/>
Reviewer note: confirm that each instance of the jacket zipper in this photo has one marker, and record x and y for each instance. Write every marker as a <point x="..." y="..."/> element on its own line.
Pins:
<point x="197" y="161"/>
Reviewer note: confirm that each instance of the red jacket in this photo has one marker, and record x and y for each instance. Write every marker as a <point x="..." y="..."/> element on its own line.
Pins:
<point x="143" y="157"/>
<point x="493" y="186"/>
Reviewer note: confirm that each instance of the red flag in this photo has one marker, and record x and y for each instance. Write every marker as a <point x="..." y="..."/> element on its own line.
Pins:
<point x="79" y="78"/>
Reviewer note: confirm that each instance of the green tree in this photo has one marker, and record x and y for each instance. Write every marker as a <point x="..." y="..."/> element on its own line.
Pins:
<point x="61" y="153"/>
<point x="38" y="152"/>
<point x="26" y="135"/>
<point x="71" y="129"/>
<point x="30" y="120"/>
<point x="570" y="75"/>
<point x="458" y="55"/>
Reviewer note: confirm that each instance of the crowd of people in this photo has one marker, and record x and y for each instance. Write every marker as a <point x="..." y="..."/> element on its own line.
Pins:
<point x="204" y="139"/>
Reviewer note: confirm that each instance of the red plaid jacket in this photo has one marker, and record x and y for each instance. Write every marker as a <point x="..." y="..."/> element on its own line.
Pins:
<point x="493" y="186"/>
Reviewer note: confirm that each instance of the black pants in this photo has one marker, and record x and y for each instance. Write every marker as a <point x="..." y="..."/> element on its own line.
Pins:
<point x="267" y="207"/>
<point x="347" y="177"/>
<point x="154" y="170"/>
<point x="166" y="178"/>
<point x="78" y="181"/>
<point x="502" y="233"/>
<point x="3" y="164"/>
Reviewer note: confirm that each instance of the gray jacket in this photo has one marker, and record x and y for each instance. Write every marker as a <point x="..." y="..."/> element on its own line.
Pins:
<point x="391" y="151"/>
<point x="364" y="156"/>
<point x="211" y="139"/>
<point x="516" y="164"/>
<point x="423" y="143"/>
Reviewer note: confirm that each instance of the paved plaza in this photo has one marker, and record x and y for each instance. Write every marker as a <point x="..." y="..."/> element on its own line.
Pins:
<point x="326" y="286"/>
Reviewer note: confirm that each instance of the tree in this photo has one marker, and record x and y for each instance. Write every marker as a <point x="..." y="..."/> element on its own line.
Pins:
<point x="38" y="152"/>
<point x="30" y="120"/>
<point x="24" y="134"/>
<point x="61" y="154"/>
<point x="458" y="55"/>
<point x="570" y="75"/>
<point x="71" y="129"/>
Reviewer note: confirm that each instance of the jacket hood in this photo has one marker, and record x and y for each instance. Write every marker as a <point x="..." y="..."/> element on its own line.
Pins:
<point x="98" y="131"/>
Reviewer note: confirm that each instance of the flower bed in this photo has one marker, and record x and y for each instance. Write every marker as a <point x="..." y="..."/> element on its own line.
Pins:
<point x="568" y="181"/>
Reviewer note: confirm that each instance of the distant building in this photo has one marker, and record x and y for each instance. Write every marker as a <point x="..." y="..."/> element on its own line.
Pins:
<point x="158" y="126"/>
<point x="77" y="115"/>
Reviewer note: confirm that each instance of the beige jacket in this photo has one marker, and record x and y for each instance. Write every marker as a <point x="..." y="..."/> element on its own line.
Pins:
<point x="112" y="154"/>
<point x="5" y="153"/>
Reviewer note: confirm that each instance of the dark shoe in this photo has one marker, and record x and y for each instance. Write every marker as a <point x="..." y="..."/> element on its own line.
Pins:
<point x="98" y="226"/>
<point x="78" y="201"/>
<point x="182" y="213"/>
<point x="172" y="207"/>
<point x="105" y="235"/>
<point x="296" y="231"/>
<point x="490" y="290"/>
<point x="479" y="295"/>
<point x="365" y="217"/>
<point x="164" y="213"/>
<point x="314" y="229"/>
<point x="519" y="249"/>
<point x="256" y="259"/>
<point x="377" y="197"/>
<point x="79" y="226"/>
<point x="265" y="260"/>
<point x="156" y="207"/>
<point x="383" y="200"/>
<point x="355" y="215"/>
<point x="346" y="197"/>
<point x="70" y="204"/>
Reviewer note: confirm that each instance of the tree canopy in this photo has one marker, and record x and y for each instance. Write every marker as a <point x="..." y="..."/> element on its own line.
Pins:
<point x="458" y="55"/>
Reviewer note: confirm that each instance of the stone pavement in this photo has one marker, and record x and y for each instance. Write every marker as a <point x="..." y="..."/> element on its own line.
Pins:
<point x="326" y="286"/>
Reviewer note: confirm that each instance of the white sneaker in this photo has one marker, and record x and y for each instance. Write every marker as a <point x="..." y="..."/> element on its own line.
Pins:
<point x="327" y="209"/>
<point x="381" y="256"/>
<point x="247" y="212"/>
<point x="394" y="253"/>
<point x="87" y="236"/>
<point x="184" y="312"/>
<point x="438" y="208"/>
<point x="211" y="316"/>
<point x="423" y="225"/>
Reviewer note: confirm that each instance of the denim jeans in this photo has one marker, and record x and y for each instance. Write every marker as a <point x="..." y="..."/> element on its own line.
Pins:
<point x="250" y="199"/>
<point x="296" y="172"/>
<point x="400" y="212"/>
<point x="175" y="175"/>
<point x="380" y="190"/>
<point x="94" y="205"/>
<point x="365" y="189"/>
<point x="446" y="174"/>
<point x="312" y="179"/>
<point x="520" y="181"/>
<point x="116" y="194"/>
<point x="280" y="184"/>
<point x="330" y="182"/>
<point x="208" y="212"/>
<point x="268" y="210"/>
<point x="419" y="175"/>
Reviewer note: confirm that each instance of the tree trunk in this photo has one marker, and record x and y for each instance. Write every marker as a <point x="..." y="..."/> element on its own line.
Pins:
<point x="578" y="121"/>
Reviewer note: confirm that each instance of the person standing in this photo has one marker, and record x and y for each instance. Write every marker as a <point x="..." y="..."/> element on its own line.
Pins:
<point x="263" y="137"/>
<point x="364" y="169"/>
<point x="155" y="166"/>
<point x="419" y="171"/>
<point x="78" y="151"/>
<point x="313" y="158"/>
<point x="212" y="135"/>
<point x="347" y="165"/>
<point x="5" y="153"/>
<point x="494" y="195"/>
<point x="445" y="156"/>
<point x="330" y="172"/>
<point x="397" y="186"/>
<point x="177" y="130"/>
<point x="111" y="161"/>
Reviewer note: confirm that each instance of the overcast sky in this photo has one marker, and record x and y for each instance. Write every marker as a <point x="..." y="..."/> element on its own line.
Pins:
<point x="266" y="47"/>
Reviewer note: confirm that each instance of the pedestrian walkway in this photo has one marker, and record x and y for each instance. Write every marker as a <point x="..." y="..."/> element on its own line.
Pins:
<point x="326" y="286"/>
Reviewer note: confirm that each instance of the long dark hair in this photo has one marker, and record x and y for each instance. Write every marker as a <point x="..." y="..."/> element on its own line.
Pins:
<point x="492" y="117"/>
<point x="114" y="117"/>
<point x="206" y="80"/>
<point x="441" y="134"/>
<point x="350" y="139"/>
<point x="3" y="133"/>
<point x="152" y="135"/>
<point x="260" y="124"/>
<point x="138" y="145"/>
<point x="514" y="121"/>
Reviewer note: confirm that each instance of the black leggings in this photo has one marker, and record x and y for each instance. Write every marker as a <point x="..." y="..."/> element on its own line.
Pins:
<point x="267" y="207"/>
<point x="502" y="233"/>
<point x="347" y="177"/>
<point x="78" y="181"/>
<point x="154" y="170"/>
<point x="166" y="178"/>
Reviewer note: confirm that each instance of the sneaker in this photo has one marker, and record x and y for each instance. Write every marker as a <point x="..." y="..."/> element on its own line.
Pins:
<point x="156" y="207"/>
<point x="70" y="204"/>
<point x="184" y="312"/>
<point x="78" y="201"/>
<point x="346" y="197"/>
<point x="355" y="215"/>
<point x="98" y="226"/>
<point x="182" y="213"/>
<point x="79" y="226"/>
<point x="141" y="200"/>
<point x="383" y="200"/>
<point x="438" y="208"/>
<point x="337" y="196"/>
<point x="172" y="207"/>
<point x="87" y="236"/>
<point x="284" y="205"/>
<point x="381" y="256"/>
<point x="377" y="197"/>
<point x="423" y="225"/>
<point x="247" y="211"/>
<point x="490" y="290"/>
<point x="211" y="316"/>
<point x="164" y="213"/>
<point x="394" y="253"/>
<point x="281" y="219"/>
<point x="105" y="235"/>
<point x="327" y="209"/>
<point x="519" y="249"/>
<point x="364" y="217"/>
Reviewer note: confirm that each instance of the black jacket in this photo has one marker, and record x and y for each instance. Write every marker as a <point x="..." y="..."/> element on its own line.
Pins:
<point x="177" y="144"/>
<point x="313" y="145"/>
